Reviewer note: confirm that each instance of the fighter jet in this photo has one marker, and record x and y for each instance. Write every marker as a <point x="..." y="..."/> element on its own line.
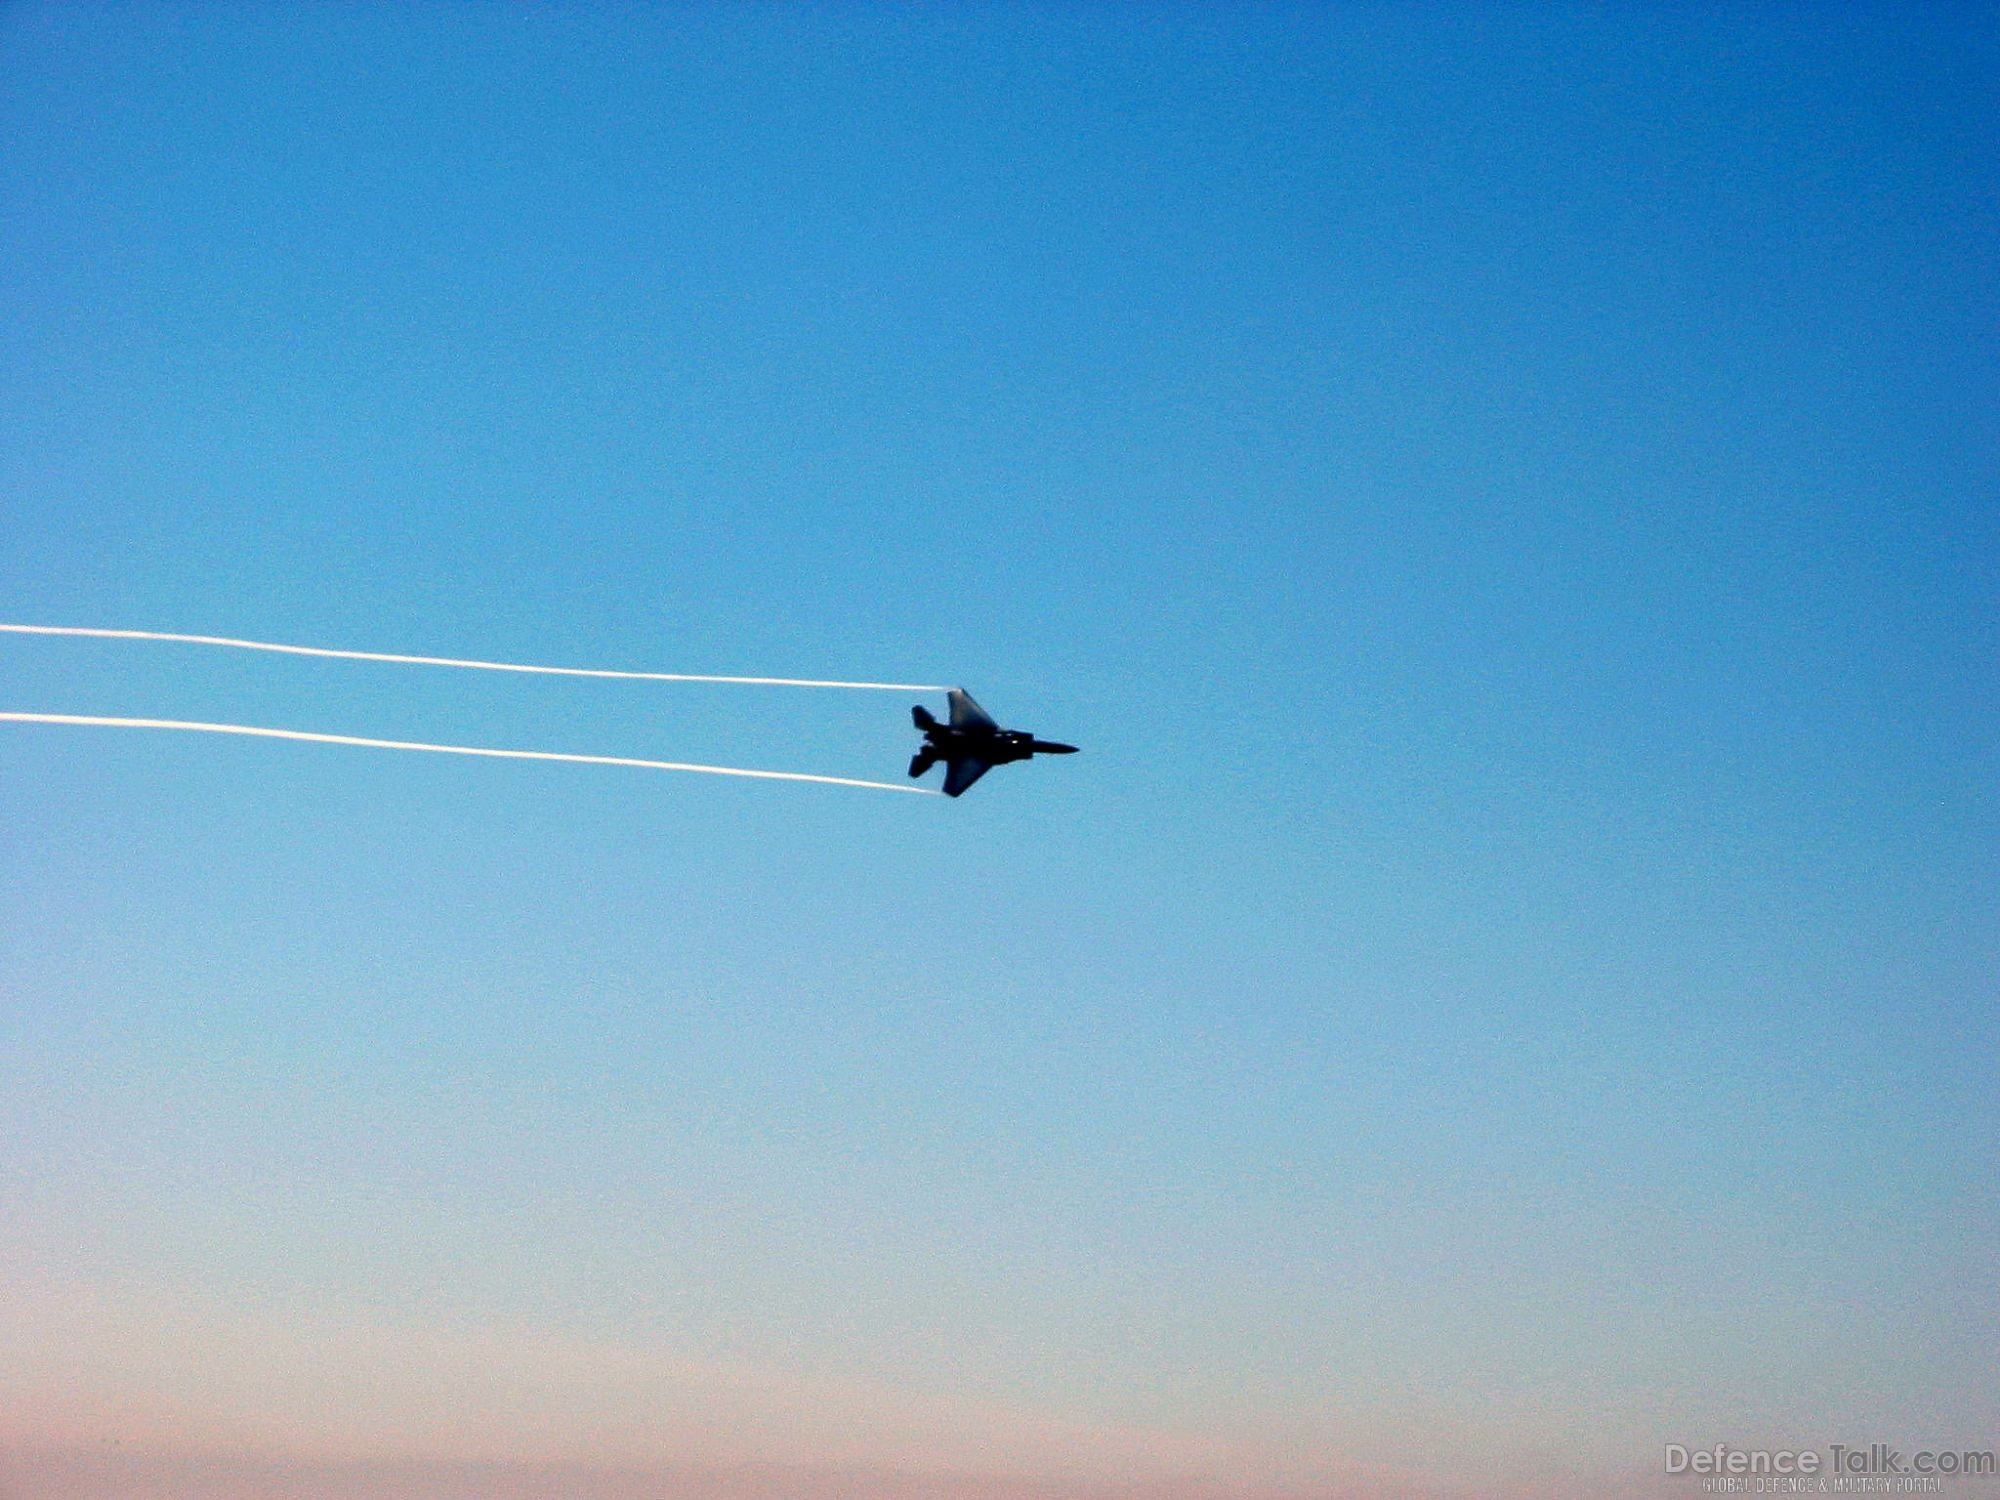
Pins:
<point x="972" y="744"/>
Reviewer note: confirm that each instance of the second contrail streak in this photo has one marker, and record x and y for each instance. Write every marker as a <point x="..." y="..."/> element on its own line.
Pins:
<point x="260" y="732"/>
<point x="453" y="661"/>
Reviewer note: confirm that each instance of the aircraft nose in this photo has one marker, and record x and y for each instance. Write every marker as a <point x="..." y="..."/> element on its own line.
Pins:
<point x="1051" y="749"/>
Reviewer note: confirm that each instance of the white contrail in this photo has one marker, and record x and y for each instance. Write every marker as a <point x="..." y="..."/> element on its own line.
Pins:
<point x="353" y="739"/>
<point x="452" y="661"/>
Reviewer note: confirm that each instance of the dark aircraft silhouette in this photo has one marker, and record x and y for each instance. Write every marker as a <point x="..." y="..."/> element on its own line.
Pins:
<point x="972" y="744"/>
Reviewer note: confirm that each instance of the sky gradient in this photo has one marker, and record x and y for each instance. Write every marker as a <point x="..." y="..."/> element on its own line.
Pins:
<point x="1505" y="500"/>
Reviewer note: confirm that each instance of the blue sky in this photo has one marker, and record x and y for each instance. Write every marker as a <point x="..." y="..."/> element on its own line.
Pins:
<point x="1503" y="499"/>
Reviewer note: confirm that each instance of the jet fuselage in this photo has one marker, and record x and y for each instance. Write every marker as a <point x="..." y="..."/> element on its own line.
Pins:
<point x="995" y="747"/>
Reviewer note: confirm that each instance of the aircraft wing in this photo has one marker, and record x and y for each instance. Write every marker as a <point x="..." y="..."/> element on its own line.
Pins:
<point x="965" y="714"/>
<point x="961" y="773"/>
